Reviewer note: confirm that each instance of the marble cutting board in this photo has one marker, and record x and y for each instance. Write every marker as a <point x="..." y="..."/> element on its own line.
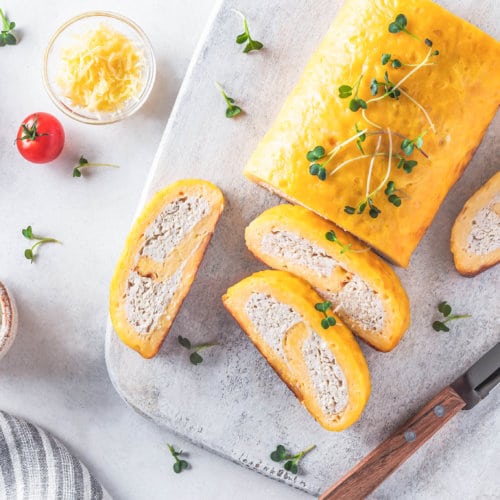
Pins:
<point x="233" y="403"/>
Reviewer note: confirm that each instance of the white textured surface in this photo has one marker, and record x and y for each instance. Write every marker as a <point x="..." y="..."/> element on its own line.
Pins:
<point x="234" y="403"/>
<point x="327" y="377"/>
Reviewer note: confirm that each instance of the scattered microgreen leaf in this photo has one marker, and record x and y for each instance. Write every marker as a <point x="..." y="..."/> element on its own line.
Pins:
<point x="316" y="154"/>
<point x="246" y="37"/>
<point x="407" y="165"/>
<point x="323" y="307"/>
<point x="84" y="163"/>
<point x="292" y="461"/>
<point x="30" y="253"/>
<point x="445" y="309"/>
<point x="232" y="109"/>
<point x="194" y="356"/>
<point x="179" y="464"/>
<point x="6" y="35"/>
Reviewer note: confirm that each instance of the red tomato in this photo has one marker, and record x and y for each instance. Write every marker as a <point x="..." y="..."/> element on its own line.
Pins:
<point x="40" y="138"/>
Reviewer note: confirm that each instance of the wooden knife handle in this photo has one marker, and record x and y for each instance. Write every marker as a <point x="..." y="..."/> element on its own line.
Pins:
<point x="396" y="449"/>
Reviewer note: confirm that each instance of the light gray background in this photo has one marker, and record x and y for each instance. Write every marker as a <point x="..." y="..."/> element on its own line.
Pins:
<point x="55" y="374"/>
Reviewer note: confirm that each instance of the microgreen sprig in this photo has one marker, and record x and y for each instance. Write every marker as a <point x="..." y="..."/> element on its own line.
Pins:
<point x="245" y="37"/>
<point x="399" y="24"/>
<point x="323" y="307"/>
<point x="84" y="163"/>
<point x="445" y="309"/>
<point x="179" y="464"/>
<point x="344" y="248"/>
<point x="194" y="357"/>
<point x="232" y="110"/>
<point x="389" y="87"/>
<point x="390" y="191"/>
<point x="395" y="63"/>
<point x="30" y="253"/>
<point x="408" y="145"/>
<point x="6" y="35"/>
<point x="292" y="461"/>
<point x="356" y="102"/>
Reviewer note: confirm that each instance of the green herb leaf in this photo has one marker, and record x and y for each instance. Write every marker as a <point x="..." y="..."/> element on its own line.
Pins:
<point x="291" y="466"/>
<point x="440" y="327"/>
<point x="84" y="163"/>
<point x="391" y="186"/>
<point x="395" y="200"/>
<point x="396" y="63"/>
<point x="374" y="212"/>
<point x="195" y="358"/>
<point x="279" y="453"/>
<point x="6" y="37"/>
<point x="331" y="236"/>
<point x="184" y="342"/>
<point x="322" y="173"/>
<point x="349" y="210"/>
<point x="232" y="110"/>
<point x="428" y="42"/>
<point x="246" y="37"/>
<point x="242" y="38"/>
<point x="385" y="59"/>
<point x="345" y="91"/>
<point x="179" y="464"/>
<point x="444" y="308"/>
<point x="28" y="253"/>
<point x="27" y="232"/>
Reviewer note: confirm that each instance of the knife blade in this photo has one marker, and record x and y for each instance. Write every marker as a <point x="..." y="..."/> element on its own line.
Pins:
<point x="462" y="394"/>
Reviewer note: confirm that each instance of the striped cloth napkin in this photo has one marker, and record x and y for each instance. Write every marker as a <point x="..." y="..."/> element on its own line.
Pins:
<point x="36" y="466"/>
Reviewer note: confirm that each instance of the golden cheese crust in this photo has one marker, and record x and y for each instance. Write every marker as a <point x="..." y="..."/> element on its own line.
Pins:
<point x="372" y="269"/>
<point x="460" y="92"/>
<point x="184" y="258"/>
<point x="298" y="295"/>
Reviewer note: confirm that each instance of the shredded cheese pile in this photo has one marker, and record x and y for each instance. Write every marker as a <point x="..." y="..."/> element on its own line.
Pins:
<point x="101" y="71"/>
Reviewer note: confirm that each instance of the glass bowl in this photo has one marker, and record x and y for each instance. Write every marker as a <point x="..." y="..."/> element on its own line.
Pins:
<point x="65" y="36"/>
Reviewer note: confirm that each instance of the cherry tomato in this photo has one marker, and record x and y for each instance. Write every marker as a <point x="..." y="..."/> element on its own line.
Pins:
<point x="40" y="138"/>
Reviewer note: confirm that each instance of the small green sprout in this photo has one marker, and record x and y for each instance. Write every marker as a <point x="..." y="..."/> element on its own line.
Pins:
<point x="331" y="236"/>
<point x="391" y="195"/>
<point x="179" y="464"/>
<point x="323" y="307"/>
<point x="407" y="165"/>
<point x="292" y="461"/>
<point x="84" y="163"/>
<point x="373" y="211"/>
<point x="232" y="110"/>
<point x="361" y="138"/>
<point x="356" y="102"/>
<point x="395" y="63"/>
<point x="30" y="253"/>
<point x="6" y="35"/>
<point x="194" y="357"/>
<point x="445" y="309"/>
<point x="408" y="145"/>
<point x="245" y="37"/>
<point x="389" y="87"/>
<point x="317" y="168"/>
<point x="399" y="24"/>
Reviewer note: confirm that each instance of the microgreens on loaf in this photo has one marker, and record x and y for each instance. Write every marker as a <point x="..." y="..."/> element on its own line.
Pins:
<point x="346" y="91"/>
<point x="292" y="461"/>
<point x="323" y="307"/>
<point x="6" y="35"/>
<point x="179" y="464"/>
<point x="445" y="309"/>
<point x="194" y="357"/>
<point x="84" y="163"/>
<point x="30" y="253"/>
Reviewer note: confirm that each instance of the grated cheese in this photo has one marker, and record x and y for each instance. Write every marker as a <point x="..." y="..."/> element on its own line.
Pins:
<point x="101" y="71"/>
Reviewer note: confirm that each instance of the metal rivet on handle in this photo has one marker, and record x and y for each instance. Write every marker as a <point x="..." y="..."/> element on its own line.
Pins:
<point x="439" y="411"/>
<point x="410" y="436"/>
